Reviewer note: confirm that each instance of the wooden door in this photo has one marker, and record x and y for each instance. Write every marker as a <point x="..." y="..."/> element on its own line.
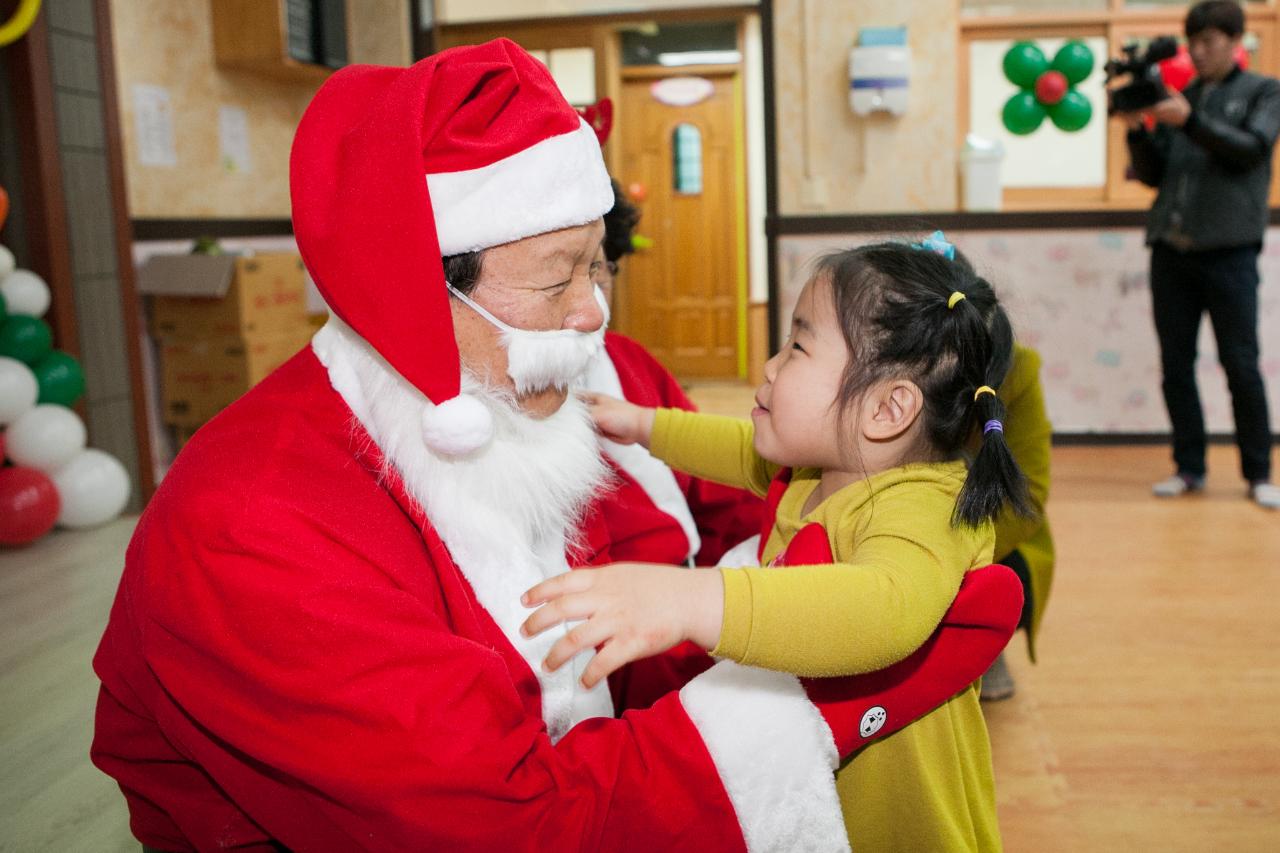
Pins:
<point x="683" y="297"/>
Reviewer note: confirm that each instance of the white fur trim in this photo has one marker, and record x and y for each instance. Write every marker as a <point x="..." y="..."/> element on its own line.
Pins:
<point x="743" y="555"/>
<point x="650" y="473"/>
<point x="775" y="756"/>
<point x="503" y="512"/>
<point x="557" y="183"/>
<point x="458" y="426"/>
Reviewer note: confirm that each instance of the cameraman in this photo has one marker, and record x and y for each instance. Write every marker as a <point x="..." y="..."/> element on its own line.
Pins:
<point x="1210" y="158"/>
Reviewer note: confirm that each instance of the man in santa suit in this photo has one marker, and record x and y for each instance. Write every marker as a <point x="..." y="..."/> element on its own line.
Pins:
<point x="315" y="644"/>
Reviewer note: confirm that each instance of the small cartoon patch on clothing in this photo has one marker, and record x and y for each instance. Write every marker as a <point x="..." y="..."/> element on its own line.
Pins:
<point x="873" y="721"/>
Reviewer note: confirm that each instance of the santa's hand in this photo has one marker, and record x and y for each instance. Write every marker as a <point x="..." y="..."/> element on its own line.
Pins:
<point x="631" y="611"/>
<point x="618" y="420"/>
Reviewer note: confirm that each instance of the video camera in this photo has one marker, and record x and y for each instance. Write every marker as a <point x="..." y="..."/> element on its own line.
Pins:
<point x="1145" y="88"/>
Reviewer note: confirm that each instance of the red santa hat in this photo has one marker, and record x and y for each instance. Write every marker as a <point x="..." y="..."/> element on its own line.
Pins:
<point x="394" y="168"/>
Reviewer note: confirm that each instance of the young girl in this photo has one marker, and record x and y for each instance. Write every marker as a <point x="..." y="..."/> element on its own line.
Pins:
<point x="892" y="363"/>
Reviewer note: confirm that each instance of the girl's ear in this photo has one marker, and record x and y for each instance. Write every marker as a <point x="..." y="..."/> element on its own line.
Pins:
<point x="892" y="407"/>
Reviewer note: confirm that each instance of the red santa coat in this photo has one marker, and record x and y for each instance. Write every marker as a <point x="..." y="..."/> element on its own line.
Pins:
<point x="294" y="656"/>
<point x="645" y="517"/>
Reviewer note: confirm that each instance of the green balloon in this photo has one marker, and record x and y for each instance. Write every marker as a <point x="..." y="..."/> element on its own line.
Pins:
<point x="1023" y="63"/>
<point x="60" y="379"/>
<point x="1022" y="113"/>
<point x="1074" y="60"/>
<point x="1072" y="112"/>
<point x="4" y="311"/>
<point x="27" y="339"/>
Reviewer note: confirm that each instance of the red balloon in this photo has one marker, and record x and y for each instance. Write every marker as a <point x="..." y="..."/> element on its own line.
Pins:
<point x="1051" y="87"/>
<point x="637" y="191"/>
<point x="29" y="505"/>
<point x="1177" y="70"/>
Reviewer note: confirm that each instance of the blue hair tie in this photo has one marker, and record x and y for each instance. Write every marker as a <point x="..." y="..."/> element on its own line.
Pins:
<point x="937" y="243"/>
<point x="993" y="425"/>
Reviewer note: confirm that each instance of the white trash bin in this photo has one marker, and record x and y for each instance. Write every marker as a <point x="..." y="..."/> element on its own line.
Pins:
<point x="980" y="161"/>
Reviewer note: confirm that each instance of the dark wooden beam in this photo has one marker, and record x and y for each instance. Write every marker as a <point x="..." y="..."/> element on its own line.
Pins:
<point x="130" y="303"/>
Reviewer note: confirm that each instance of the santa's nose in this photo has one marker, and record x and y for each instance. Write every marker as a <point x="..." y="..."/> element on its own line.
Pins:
<point x="586" y="315"/>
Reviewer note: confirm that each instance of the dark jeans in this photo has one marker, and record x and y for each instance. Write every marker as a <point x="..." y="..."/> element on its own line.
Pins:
<point x="1223" y="282"/>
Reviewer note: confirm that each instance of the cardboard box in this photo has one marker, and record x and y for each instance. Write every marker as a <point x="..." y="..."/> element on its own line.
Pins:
<point x="225" y="296"/>
<point x="202" y="377"/>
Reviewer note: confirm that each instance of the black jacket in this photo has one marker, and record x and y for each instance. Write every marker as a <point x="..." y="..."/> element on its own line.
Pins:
<point x="1214" y="173"/>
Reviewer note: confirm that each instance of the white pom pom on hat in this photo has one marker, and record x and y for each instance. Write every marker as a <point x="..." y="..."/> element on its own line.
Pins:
<point x="458" y="426"/>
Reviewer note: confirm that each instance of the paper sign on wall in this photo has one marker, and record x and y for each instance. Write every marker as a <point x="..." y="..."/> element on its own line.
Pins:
<point x="682" y="91"/>
<point x="153" y="117"/>
<point x="233" y="140"/>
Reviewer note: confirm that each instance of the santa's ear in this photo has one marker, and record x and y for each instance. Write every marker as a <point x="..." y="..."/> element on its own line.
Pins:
<point x="890" y="408"/>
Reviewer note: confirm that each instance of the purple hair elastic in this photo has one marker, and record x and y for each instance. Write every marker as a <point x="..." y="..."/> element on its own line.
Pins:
<point x="993" y="425"/>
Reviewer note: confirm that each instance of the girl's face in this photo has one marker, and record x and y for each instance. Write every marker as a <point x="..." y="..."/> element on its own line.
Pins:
<point x="796" y="415"/>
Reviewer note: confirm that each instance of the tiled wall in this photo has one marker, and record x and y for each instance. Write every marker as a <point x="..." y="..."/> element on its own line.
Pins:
<point x="91" y="230"/>
<point x="1081" y="297"/>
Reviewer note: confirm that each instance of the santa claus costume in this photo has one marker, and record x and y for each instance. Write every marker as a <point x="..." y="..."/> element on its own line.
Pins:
<point x="315" y="643"/>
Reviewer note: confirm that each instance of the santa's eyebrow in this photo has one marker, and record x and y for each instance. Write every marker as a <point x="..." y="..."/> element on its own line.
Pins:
<point x="561" y="254"/>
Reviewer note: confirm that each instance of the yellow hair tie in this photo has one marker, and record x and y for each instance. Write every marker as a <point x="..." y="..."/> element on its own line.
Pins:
<point x="985" y="389"/>
<point x="955" y="297"/>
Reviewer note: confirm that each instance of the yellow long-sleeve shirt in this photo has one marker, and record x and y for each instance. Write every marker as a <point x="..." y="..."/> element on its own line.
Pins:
<point x="899" y="563"/>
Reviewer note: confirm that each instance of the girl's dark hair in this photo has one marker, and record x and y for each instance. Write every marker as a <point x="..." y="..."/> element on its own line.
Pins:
<point x="619" y="222"/>
<point x="462" y="271"/>
<point x="891" y="304"/>
<point x="1226" y="16"/>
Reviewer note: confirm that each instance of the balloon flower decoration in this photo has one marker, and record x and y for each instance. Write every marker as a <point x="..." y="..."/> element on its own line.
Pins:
<point x="1047" y="88"/>
<point x="47" y="474"/>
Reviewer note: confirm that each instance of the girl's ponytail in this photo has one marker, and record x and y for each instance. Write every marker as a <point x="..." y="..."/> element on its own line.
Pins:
<point x="994" y="479"/>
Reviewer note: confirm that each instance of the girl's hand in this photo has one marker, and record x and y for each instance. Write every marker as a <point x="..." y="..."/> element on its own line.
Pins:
<point x="618" y="420"/>
<point x="632" y="611"/>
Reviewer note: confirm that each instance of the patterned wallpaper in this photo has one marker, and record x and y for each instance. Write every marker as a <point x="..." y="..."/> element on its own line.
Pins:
<point x="1081" y="298"/>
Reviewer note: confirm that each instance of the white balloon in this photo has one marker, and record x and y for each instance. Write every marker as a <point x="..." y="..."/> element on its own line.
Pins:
<point x="46" y="437"/>
<point x="18" y="389"/>
<point x="6" y="262"/>
<point x="25" y="293"/>
<point x="93" y="487"/>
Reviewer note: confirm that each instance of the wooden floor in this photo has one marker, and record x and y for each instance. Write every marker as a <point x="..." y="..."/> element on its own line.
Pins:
<point x="1152" y="721"/>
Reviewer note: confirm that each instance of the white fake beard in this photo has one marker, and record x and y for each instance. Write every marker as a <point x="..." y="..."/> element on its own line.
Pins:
<point x="507" y="512"/>
<point x="532" y="482"/>
<point x="537" y="361"/>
